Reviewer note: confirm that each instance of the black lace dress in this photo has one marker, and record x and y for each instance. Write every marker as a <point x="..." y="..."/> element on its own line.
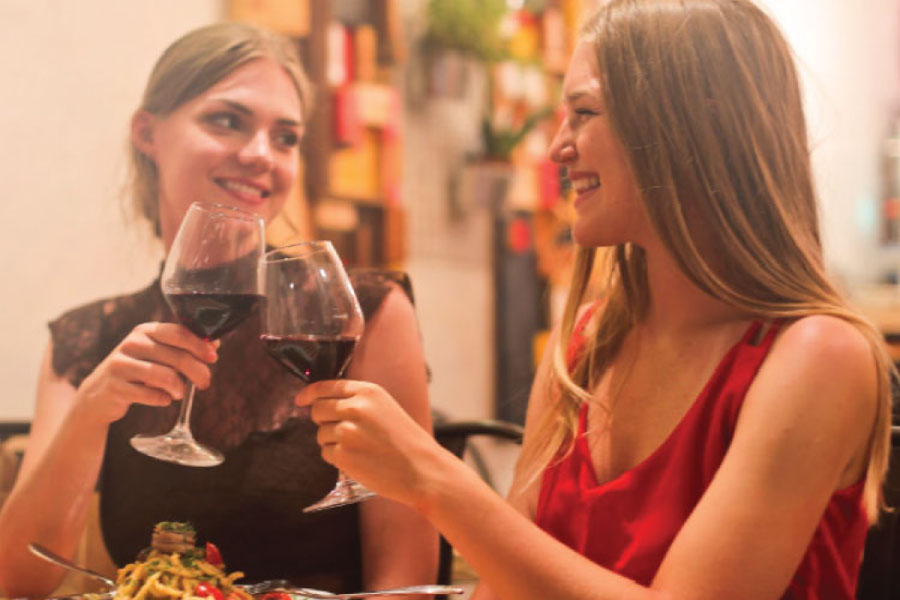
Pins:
<point x="249" y="506"/>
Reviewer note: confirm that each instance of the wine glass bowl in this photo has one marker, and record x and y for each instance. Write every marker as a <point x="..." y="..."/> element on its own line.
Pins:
<point x="310" y="358"/>
<point x="211" y="315"/>
<point x="210" y="283"/>
<point x="311" y="323"/>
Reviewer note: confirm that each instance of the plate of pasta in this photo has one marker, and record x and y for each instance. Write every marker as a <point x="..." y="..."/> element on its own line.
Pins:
<point x="175" y="568"/>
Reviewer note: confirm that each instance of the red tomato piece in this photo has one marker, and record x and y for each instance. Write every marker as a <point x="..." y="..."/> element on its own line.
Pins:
<point x="213" y="556"/>
<point x="276" y="596"/>
<point x="208" y="590"/>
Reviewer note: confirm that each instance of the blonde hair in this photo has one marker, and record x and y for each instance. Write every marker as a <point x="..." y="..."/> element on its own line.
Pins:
<point x="705" y="99"/>
<point x="190" y="66"/>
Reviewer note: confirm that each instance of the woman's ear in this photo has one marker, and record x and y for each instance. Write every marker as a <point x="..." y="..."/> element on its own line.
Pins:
<point x="142" y="132"/>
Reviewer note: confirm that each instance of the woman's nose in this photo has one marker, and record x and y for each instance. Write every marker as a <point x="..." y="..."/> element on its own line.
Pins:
<point x="562" y="148"/>
<point x="257" y="151"/>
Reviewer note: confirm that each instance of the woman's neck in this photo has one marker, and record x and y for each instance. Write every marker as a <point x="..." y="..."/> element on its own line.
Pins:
<point x="677" y="306"/>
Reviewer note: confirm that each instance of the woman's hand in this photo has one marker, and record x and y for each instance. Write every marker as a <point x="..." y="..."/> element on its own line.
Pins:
<point x="147" y="367"/>
<point x="365" y="433"/>
<point x="55" y="486"/>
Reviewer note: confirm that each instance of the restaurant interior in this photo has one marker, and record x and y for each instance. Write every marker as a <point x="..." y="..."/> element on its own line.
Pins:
<point x="427" y="153"/>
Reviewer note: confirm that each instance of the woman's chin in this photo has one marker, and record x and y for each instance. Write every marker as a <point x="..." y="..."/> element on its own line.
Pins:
<point x="584" y="236"/>
<point x="592" y="239"/>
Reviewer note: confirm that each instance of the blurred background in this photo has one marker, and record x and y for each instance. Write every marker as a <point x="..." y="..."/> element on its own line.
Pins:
<point x="426" y="153"/>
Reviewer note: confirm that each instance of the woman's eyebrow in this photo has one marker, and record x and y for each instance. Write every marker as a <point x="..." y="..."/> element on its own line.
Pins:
<point x="578" y="94"/>
<point x="241" y="108"/>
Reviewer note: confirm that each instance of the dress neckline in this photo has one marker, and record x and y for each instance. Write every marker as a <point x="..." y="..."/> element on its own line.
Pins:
<point x="696" y="405"/>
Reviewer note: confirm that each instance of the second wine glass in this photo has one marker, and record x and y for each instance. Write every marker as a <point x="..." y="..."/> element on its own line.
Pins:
<point x="311" y="323"/>
<point x="210" y="283"/>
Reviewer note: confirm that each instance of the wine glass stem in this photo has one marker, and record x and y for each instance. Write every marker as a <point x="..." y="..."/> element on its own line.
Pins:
<point x="184" y="415"/>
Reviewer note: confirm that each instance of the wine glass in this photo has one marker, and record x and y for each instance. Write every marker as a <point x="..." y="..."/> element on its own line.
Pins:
<point x="311" y="323"/>
<point x="210" y="283"/>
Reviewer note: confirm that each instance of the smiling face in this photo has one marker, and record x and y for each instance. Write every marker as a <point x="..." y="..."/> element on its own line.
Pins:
<point x="237" y="143"/>
<point x="607" y="203"/>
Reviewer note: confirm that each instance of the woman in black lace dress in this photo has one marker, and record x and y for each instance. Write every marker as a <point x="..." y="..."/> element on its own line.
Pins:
<point x="221" y="121"/>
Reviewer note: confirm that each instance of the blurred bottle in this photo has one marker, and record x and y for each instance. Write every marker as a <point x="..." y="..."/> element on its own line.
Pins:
<point x="891" y="182"/>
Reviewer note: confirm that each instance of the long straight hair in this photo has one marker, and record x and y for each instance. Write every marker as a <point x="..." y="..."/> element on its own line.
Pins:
<point x="704" y="96"/>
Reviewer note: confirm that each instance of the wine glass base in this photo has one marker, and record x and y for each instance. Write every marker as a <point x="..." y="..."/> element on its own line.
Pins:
<point x="177" y="449"/>
<point x="347" y="491"/>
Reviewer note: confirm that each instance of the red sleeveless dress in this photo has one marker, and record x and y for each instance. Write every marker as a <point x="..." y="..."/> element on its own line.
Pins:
<point x="627" y="524"/>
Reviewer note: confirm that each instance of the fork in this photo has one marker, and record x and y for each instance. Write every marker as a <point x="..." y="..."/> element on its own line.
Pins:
<point x="282" y="585"/>
<point x="430" y="590"/>
<point x="56" y="559"/>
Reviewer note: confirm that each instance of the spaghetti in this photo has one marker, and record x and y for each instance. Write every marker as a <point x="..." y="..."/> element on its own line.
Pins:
<point x="184" y="575"/>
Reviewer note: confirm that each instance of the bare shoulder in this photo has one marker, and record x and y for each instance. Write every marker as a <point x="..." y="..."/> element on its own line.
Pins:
<point x="390" y="354"/>
<point x="826" y="348"/>
<point x="802" y="434"/>
<point x="818" y="388"/>
<point x="393" y="325"/>
<point x="395" y="311"/>
<point x="825" y="333"/>
<point x="391" y="330"/>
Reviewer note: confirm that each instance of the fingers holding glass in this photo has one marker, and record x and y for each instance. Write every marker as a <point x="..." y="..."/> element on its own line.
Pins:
<point x="311" y="323"/>
<point x="210" y="283"/>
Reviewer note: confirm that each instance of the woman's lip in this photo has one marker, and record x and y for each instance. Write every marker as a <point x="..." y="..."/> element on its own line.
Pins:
<point x="243" y="196"/>
<point x="580" y="197"/>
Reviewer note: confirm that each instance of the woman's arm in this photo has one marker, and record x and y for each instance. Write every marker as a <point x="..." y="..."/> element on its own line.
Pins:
<point x="49" y="504"/>
<point x="523" y="498"/>
<point x="52" y="493"/>
<point x="399" y="546"/>
<point x="802" y="434"/>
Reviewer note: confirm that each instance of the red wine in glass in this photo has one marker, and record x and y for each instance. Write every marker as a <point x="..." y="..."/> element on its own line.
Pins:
<point x="212" y="315"/>
<point x="311" y="322"/>
<point x="210" y="281"/>
<point x="311" y="358"/>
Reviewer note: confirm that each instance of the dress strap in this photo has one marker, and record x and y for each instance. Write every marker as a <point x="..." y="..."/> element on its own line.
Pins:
<point x="768" y="339"/>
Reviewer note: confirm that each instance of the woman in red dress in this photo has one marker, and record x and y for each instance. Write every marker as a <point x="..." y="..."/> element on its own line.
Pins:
<point x="717" y="425"/>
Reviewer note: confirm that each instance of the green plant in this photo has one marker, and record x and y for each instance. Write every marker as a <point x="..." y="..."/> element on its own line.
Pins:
<point x="500" y="142"/>
<point x="471" y="26"/>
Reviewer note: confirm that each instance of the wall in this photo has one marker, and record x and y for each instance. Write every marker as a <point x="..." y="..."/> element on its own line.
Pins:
<point x="450" y="259"/>
<point x="849" y="59"/>
<point x="73" y="72"/>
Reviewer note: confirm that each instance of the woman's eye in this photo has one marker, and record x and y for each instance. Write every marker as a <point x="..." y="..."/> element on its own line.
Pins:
<point x="226" y="120"/>
<point x="287" y="139"/>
